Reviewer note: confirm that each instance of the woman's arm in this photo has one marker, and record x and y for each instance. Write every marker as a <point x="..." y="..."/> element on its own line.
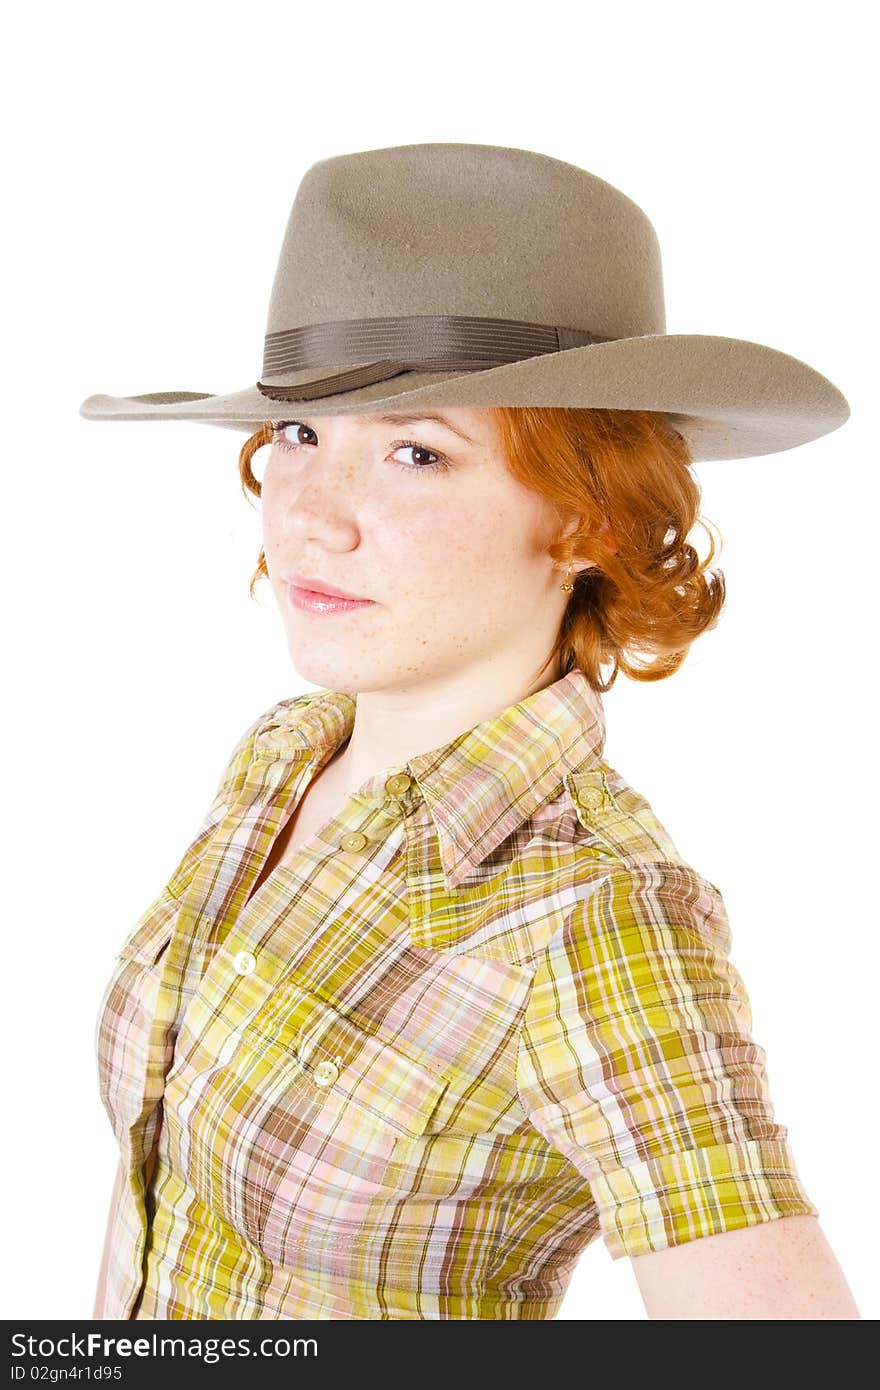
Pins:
<point x="781" y="1269"/>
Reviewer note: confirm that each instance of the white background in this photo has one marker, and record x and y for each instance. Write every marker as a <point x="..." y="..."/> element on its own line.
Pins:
<point x="152" y="155"/>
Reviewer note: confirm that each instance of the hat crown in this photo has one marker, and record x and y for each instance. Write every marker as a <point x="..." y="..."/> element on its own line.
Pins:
<point x="478" y="276"/>
<point x="460" y="229"/>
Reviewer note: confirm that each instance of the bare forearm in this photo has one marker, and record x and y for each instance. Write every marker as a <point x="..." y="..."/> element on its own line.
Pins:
<point x="782" y="1269"/>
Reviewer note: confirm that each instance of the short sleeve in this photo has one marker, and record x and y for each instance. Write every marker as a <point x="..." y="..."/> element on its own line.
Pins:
<point x="636" y="1062"/>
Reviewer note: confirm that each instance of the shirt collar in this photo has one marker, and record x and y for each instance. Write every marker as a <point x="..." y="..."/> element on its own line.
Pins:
<point x="482" y="784"/>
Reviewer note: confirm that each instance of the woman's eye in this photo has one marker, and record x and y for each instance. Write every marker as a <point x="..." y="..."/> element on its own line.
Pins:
<point x="291" y="439"/>
<point x="423" y="463"/>
<point x="288" y="436"/>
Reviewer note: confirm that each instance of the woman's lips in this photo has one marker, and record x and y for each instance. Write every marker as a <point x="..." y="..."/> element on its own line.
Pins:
<point x="308" y="601"/>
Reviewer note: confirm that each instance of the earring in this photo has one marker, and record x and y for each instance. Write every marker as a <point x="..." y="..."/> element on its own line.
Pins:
<point x="567" y="587"/>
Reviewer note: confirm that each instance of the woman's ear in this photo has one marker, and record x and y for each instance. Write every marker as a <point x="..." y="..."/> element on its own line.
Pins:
<point x="605" y="538"/>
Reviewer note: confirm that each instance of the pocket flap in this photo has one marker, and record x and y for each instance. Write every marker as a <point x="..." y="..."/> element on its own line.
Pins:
<point x="339" y="1064"/>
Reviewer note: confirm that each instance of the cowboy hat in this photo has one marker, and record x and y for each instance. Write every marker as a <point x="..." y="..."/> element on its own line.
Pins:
<point x="424" y="276"/>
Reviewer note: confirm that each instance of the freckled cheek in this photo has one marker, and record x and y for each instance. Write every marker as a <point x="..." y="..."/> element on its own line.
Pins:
<point x="411" y="537"/>
<point x="468" y="547"/>
<point x="446" y="562"/>
<point x="272" y="542"/>
<point x="271" y="514"/>
<point x="491" y="547"/>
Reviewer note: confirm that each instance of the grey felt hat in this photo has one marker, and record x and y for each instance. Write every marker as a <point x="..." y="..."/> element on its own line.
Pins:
<point x="443" y="275"/>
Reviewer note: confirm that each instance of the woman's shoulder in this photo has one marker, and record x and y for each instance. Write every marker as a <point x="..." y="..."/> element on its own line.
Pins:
<point x="617" y="821"/>
<point x="282" y="714"/>
<point x="626" y="852"/>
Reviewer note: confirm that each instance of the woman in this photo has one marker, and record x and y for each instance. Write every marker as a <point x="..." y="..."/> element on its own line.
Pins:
<point x="432" y="1000"/>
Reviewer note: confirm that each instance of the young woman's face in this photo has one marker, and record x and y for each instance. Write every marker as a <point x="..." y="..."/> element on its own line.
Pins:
<point x="453" y="557"/>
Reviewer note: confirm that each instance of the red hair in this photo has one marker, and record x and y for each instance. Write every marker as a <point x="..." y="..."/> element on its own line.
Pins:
<point x="626" y="475"/>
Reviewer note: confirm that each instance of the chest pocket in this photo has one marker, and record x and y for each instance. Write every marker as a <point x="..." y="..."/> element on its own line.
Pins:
<point x="128" y="1039"/>
<point x="308" y="1116"/>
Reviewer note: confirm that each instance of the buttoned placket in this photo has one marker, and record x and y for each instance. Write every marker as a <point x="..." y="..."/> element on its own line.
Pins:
<point x="254" y="961"/>
<point x="183" y="974"/>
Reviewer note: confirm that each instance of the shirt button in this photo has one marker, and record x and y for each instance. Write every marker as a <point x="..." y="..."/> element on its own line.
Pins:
<point x="355" y="840"/>
<point x="326" y="1073"/>
<point x="245" y="962"/>
<point x="591" y="797"/>
<point x="398" y="783"/>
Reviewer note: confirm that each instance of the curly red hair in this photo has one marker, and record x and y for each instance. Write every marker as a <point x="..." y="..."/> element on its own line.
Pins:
<point x="626" y="475"/>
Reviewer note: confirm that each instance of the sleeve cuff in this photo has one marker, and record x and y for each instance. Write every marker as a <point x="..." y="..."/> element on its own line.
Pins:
<point x="677" y="1197"/>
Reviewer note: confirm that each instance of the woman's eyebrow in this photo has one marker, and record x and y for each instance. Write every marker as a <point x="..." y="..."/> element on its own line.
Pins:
<point x="398" y="418"/>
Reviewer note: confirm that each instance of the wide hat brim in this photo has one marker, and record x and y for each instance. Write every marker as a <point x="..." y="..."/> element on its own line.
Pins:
<point x="728" y="397"/>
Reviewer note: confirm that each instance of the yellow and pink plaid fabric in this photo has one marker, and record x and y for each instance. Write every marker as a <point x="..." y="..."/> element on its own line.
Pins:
<point x="486" y="1015"/>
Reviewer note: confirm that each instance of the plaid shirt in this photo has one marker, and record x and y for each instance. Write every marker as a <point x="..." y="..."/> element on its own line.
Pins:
<point x="486" y="1015"/>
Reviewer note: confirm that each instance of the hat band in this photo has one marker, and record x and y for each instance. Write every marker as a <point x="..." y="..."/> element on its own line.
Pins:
<point x="388" y="347"/>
